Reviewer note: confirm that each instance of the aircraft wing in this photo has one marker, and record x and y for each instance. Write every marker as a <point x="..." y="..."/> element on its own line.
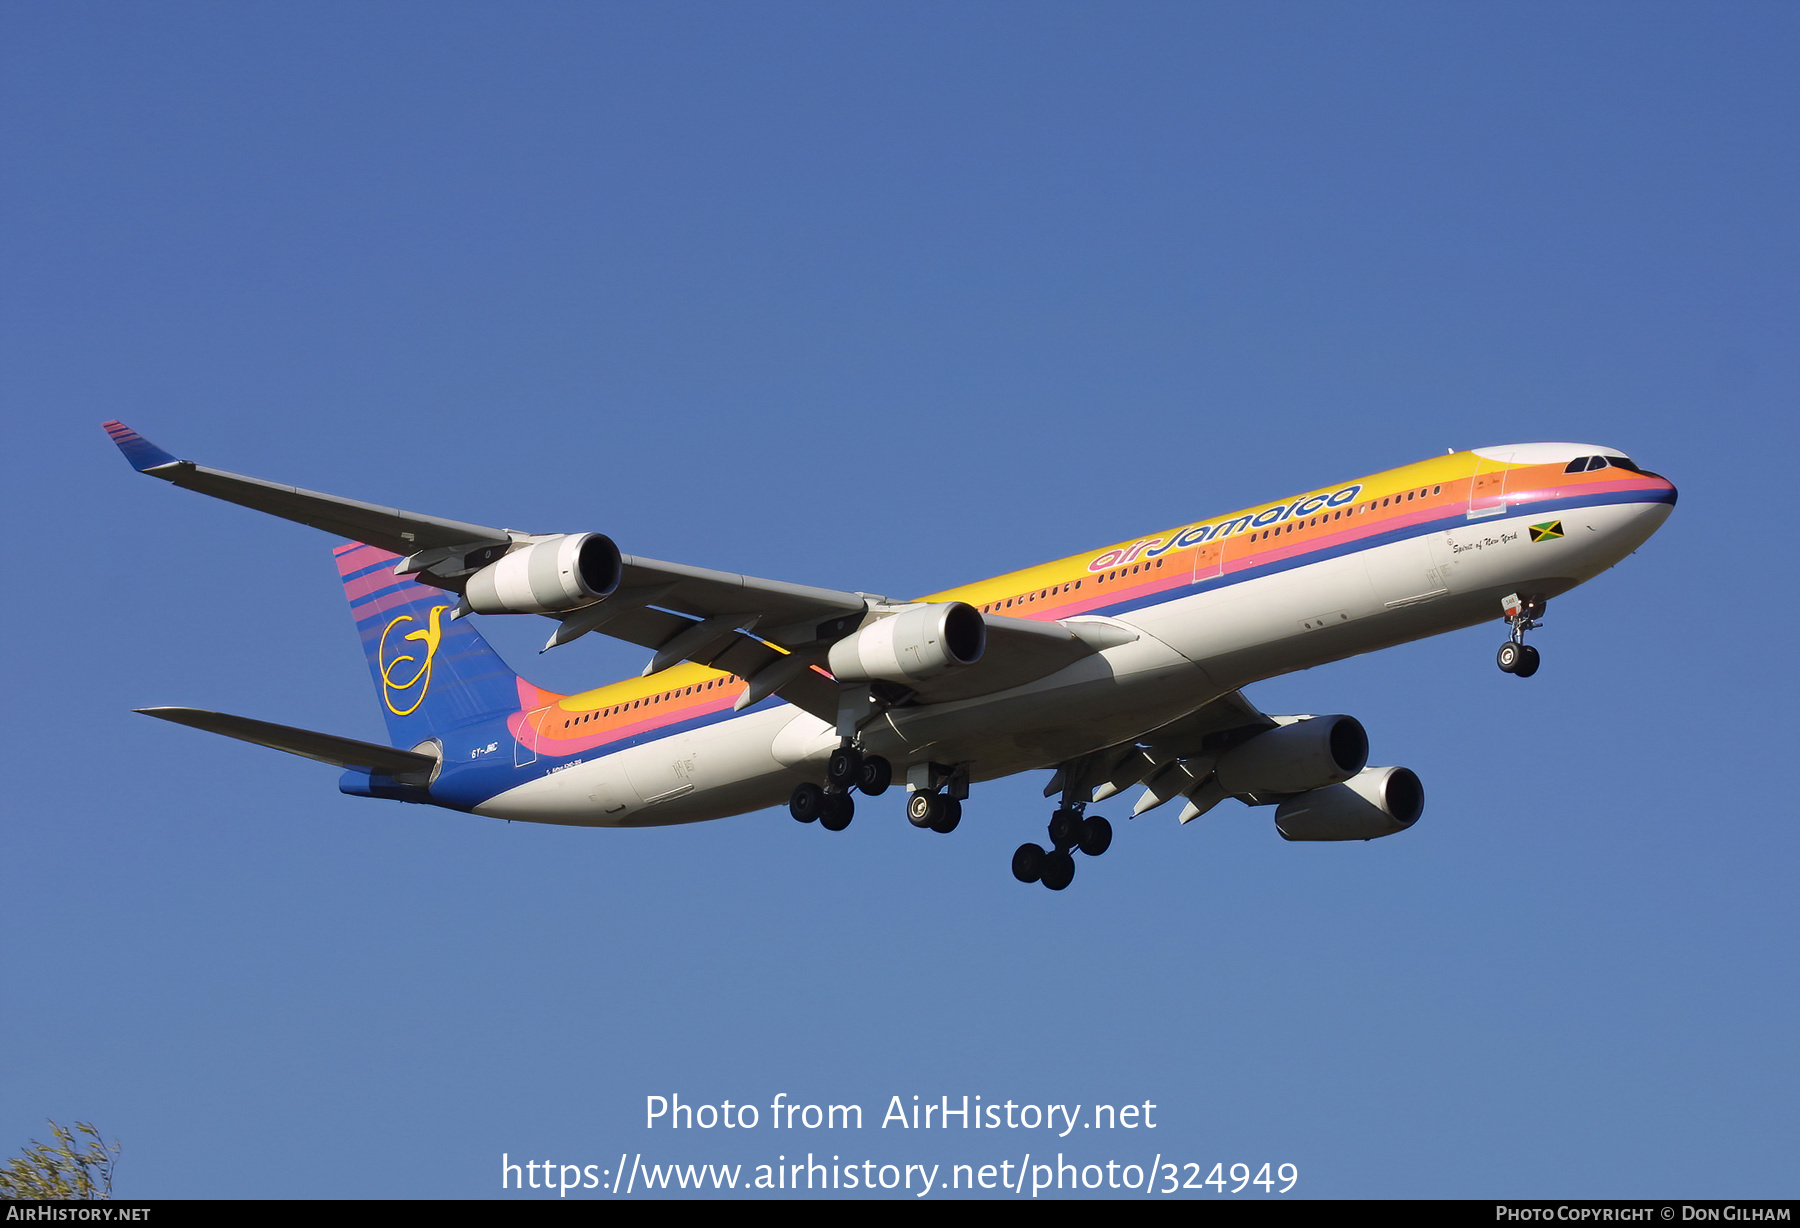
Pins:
<point x="1022" y="650"/>
<point x="770" y="632"/>
<point x="387" y="527"/>
<point x="787" y="613"/>
<point x="1174" y="760"/>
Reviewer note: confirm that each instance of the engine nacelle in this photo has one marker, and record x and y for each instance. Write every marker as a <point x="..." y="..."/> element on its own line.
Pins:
<point x="920" y="643"/>
<point x="559" y="573"/>
<point x="1378" y="801"/>
<point x="1309" y="754"/>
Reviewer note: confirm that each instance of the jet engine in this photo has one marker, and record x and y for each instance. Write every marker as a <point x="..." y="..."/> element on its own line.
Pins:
<point x="558" y="573"/>
<point x="1377" y="801"/>
<point x="1308" y="754"/>
<point x="912" y="646"/>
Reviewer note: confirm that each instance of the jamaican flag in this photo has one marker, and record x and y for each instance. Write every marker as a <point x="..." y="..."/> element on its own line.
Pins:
<point x="1548" y="531"/>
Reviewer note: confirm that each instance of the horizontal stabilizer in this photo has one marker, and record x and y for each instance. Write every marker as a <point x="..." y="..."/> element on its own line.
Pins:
<point x="324" y="747"/>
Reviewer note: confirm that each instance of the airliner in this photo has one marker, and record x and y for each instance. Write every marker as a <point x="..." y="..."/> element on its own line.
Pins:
<point x="1112" y="669"/>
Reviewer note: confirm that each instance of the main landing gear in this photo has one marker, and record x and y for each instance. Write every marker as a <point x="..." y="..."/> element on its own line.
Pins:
<point x="1516" y="657"/>
<point x="938" y="811"/>
<point x="847" y="769"/>
<point x="934" y="795"/>
<point x="1069" y="829"/>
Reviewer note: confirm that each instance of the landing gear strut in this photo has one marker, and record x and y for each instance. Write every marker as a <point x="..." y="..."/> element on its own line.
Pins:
<point x="1069" y="829"/>
<point x="1523" y="614"/>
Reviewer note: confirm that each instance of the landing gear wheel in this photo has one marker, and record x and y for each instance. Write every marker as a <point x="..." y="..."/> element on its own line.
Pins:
<point x="1065" y="828"/>
<point x="1528" y="662"/>
<point x="1096" y="836"/>
<point x="1509" y="656"/>
<point x="922" y="809"/>
<point x="844" y="769"/>
<point x="806" y="802"/>
<point x="949" y="815"/>
<point x="837" y="812"/>
<point x="877" y="775"/>
<point x="1028" y="863"/>
<point x="1058" y="871"/>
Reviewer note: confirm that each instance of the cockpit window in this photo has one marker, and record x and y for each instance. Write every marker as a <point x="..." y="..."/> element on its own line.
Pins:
<point x="1598" y="462"/>
<point x="1619" y="462"/>
<point x="1578" y="464"/>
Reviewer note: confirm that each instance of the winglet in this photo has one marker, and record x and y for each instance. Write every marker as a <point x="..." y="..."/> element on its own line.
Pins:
<point x="143" y="455"/>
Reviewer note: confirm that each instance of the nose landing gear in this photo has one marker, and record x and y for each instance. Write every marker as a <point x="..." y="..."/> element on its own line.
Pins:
<point x="1516" y="657"/>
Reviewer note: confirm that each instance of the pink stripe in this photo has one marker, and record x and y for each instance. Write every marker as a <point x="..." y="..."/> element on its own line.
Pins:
<point x="357" y="556"/>
<point x="374" y="584"/>
<point x="371" y="609"/>
<point x="557" y="742"/>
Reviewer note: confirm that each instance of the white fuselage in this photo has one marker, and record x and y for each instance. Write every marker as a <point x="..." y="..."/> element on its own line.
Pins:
<point x="1190" y="649"/>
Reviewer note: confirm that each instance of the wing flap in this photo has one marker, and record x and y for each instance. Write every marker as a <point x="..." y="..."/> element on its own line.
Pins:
<point x="788" y="613"/>
<point x="1172" y="760"/>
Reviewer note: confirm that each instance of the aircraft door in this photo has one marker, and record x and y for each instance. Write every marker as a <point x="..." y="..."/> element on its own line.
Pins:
<point x="664" y="769"/>
<point x="1403" y="573"/>
<point x="1207" y="560"/>
<point x="525" y="755"/>
<point x="1487" y="490"/>
<point x="1446" y="562"/>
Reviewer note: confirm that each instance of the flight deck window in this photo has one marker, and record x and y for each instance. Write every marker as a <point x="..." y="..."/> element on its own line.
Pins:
<point x="1619" y="462"/>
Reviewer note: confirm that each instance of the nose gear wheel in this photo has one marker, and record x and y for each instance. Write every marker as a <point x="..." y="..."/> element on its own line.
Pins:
<point x="1522" y="614"/>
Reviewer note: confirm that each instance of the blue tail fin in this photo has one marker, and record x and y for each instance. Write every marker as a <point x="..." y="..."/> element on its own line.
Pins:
<point x="432" y="674"/>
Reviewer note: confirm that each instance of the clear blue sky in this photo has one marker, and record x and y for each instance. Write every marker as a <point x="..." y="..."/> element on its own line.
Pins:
<point x="889" y="298"/>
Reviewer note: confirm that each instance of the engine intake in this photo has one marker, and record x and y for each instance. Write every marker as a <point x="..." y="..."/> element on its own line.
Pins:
<point x="557" y="574"/>
<point x="912" y="646"/>
<point x="1309" y="754"/>
<point x="1378" y="801"/>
